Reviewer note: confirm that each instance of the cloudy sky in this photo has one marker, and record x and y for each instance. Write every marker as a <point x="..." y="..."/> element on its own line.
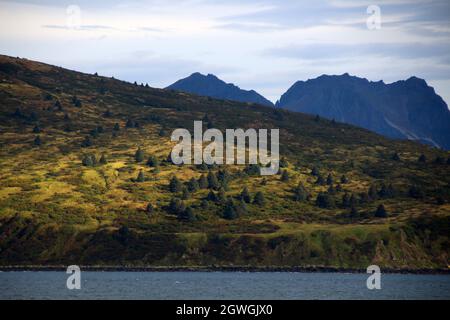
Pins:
<point x="264" y="45"/>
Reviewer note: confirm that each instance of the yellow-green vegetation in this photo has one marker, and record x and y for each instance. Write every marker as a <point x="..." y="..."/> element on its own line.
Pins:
<point x="83" y="193"/>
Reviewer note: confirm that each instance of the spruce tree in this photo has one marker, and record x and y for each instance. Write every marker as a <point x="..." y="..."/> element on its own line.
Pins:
<point x="103" y="159"/>
<point x="329" y="179"/>
<point x="139" y="155"/>
<point x="284" y="176"/>
<point x="36" y="129"/>
<point x="344" y="179"/>
<point x="221" y="195"/>
<point x="37" y="141"/>
<point x="324" y="200"/>
<point x="245" y="195"/>
<point x="229" y="212"/>
<point x="192" y="185"/>
<point x="187" y="215"/>
<point x="175" y="185"/>
<point x="315" y="172"/>
<point x="381" y="212"/>
<point x="353" y="213"/>
<point x="283" y="163"/>
<point x="259" y="199"/>
<point x="185" y="194"/>
<point x="396" y="157"/>
<point x="346" y="200"/>
<point x="149" y="208"/>
<point x="152" y="161"/>
<point x="140" y="177"/>
<point x="212" y="181"/>
<point x="320" y="181"/>
<point x="422" y="158"/>
<point x="211" y="196"/>
<point x="203" y="182"/>
<point x="116" y="127"/>
<point x="87" y="142"/>
<point x="87" y="161"/>
<point x="300" y="193"/>
<point x="372" y="193"/>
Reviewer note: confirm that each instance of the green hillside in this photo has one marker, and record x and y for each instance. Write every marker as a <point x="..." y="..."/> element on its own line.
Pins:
<point x="71" y="190"/>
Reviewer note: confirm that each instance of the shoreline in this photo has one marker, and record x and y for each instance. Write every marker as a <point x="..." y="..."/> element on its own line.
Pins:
<point x="307" y="269"/>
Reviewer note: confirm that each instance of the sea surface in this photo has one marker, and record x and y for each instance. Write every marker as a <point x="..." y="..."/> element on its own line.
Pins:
<point x="220" y="285"/>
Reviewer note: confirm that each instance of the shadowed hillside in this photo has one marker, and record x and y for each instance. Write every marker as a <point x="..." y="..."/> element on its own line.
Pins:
<point x="86" y="180"/>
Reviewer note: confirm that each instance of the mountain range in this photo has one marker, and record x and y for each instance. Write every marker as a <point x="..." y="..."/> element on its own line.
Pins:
<point x="408" y="109"/>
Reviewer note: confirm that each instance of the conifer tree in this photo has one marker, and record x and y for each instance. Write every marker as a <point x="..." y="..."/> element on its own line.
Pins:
<point x="87" y="142"/>
<point x="36" y="129"/>
<point x="284" y="176"/>
<point x="329" y="179"/>
<point x="192" y="185"/>
<point x="203" y="182"/>
<point x="139" y="155"/>
<point x="152" y="161"/>
<point x="103" y="159"/>
<point x="259" y="199"/>
<point x="381" y="212"/>
<point x="212" y="181"/>
<point x="140" y="177"/>
<point x="37" y="141"/>
<point x="175" y="185"/>
<point x="245" y="195"/>
<point x="300" y="193"/>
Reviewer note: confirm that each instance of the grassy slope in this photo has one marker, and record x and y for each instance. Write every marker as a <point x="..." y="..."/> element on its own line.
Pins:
<point x="54" y="210"/>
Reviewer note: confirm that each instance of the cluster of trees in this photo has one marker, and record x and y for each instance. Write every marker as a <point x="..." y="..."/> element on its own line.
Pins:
<point x="214" y="181"/>
<point x="179" y="208"/>
<point x="132" y="124"/>
<point x="90" y="160"/>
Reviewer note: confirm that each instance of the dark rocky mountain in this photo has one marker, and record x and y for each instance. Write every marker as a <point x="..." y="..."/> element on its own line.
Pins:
<point x="404" y="109"/>
<point x="212" y="86"/>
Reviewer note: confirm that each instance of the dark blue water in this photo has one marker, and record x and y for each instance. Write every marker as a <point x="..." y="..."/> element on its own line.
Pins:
<point x="220" y="285"/>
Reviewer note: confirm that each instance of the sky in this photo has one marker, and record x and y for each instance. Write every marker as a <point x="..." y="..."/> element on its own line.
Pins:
<point x="265" y="45"/>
